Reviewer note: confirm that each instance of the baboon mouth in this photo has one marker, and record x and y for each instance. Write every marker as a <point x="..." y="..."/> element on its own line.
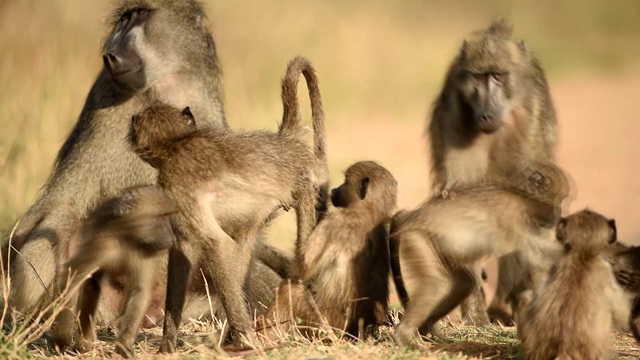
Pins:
<point x="123" y="73"/>
<point x="489" y="126"/>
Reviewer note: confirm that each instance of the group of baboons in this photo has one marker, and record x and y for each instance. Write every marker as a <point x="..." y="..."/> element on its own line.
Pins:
<point x="159" y="205"/>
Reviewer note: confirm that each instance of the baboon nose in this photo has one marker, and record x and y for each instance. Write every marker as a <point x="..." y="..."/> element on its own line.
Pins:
<point x="487" y="117"/>
<point x="110" y="61"/>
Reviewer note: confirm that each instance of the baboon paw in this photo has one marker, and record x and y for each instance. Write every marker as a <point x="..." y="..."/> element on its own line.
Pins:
<point x="167" y="347"/>
<point x="500" y="316"/>
<point x="124" y="350"/>
<point x="82" y="346"/>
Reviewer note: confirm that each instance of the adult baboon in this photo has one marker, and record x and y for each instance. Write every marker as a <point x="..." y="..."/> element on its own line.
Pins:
<point x="124" y="236"/>
<point x="345" y="264"/>
<point x="572" y="315"/>
<point x="493" y="111"/>
<point x="444" y="239"/>
<point x="226" y="185"/>
<point x="155" y="50"/>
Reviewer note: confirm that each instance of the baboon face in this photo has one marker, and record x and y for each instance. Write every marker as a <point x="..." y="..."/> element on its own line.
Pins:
<point x="135" y="54"/>
<point x="159" y="123"/>
<point x="586" y="229"/>
<point x="488" y="71"/>
<point x="363" y="181"/>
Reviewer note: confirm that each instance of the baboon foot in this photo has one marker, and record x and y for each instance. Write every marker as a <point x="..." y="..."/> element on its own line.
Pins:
<point x="82" y="346"/>
<point x="497" y="315"/>
<point x="123" y="349"/>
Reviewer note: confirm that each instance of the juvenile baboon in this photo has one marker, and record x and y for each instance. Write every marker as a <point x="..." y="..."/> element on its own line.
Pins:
<point x="124" y="236"/>
<point x="494" y="110"/>
<point x="226" y="186"/>
<point x="626" y="267"/>
<point x="154" y="49"/>
<point x="572" y="315"/>
<point x="443" y="240"/>
<point x="345" y="265"/>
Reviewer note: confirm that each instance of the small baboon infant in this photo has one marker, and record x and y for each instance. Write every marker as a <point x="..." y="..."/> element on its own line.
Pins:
<point x="572" y="315"/>
<point x="626" y="267"/>
<point x="227" y="185"/>
<point x="124" y="236"/>
<point x="444" y="239"/>
<point x="345" y="264"/>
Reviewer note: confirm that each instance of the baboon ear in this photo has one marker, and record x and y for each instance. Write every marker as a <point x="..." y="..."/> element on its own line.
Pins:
<point x="614" y="231"/>
<point x="364" y="186"/>
<point x="463" y="49"/>
<point x="523" y="47"/>
<point x="561" y="230"/>
<point x="191" y="121"/>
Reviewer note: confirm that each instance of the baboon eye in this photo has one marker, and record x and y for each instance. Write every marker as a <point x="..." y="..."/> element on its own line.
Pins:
<point x="498" y="77"/>
<point x="125" y="17"/>
<point x="480" y="77"/>
<point x="142" y="11"/>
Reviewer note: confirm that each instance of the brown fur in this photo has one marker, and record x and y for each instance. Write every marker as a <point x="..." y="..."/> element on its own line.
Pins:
<point x="626" y="267"/>
<point x="493" y="111"/>
<point x="96" y="161"/>
<point x="227" y="185"/>
<point x="573" y="314"/>
<point x="123" y="237"/>
<point x="345" y="264"/>
<point x="443" y="240"/>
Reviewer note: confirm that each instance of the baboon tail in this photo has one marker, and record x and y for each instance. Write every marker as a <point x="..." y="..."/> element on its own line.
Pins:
<point x="291" y="119"/>
<point x="394" y="258"/>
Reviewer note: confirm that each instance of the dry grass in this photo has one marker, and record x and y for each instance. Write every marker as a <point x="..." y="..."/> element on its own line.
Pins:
<point x="380" y="64"/>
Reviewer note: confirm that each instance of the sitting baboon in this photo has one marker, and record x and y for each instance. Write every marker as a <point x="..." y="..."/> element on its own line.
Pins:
<point x="226" y="185"/>
<point x="344" y="268"/>
<point x="626" y="267"/>
<point x="444" y="239"/>
<point x="153" y="49"/>
<point x="572" y="315"/>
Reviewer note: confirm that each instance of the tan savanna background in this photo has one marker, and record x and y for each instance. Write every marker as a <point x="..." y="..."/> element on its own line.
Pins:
<point x="380" y="65"/>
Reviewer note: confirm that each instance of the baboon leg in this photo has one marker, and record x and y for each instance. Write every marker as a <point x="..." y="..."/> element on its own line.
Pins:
<point x="474" y="307"/>
<point x="139" y="298"/>
<point x="179" y="268"/>
<point x="435" y="284"/>
<point x="262" y="282"/>
<point x="273" y="257"/>
<point x="464" y="282"/>
<point x="88" y="300"/>
<point x="229" y="273"/>
<point x="64" y="324"/>
<point x="32" y="271"/>
<point x="500" y="309"/>
<point x="305" y="221"/>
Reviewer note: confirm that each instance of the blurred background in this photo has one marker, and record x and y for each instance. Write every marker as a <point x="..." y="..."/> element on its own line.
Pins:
<point x="380" y="64"/>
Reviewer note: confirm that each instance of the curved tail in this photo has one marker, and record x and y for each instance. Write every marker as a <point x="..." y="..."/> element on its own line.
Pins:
<point x="291" y="119"/>
<point x="394" y="257"/>
<point x="292" y="124"/>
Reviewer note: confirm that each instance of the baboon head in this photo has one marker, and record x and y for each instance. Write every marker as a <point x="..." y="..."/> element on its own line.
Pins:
<point x="485" y="73"/>
<point x="141" y="215"/>
<point x="366" y="182"/>
<point x="586" y="231"/>
<point x="157" y="124"/>
<point x="149" y="39"/>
